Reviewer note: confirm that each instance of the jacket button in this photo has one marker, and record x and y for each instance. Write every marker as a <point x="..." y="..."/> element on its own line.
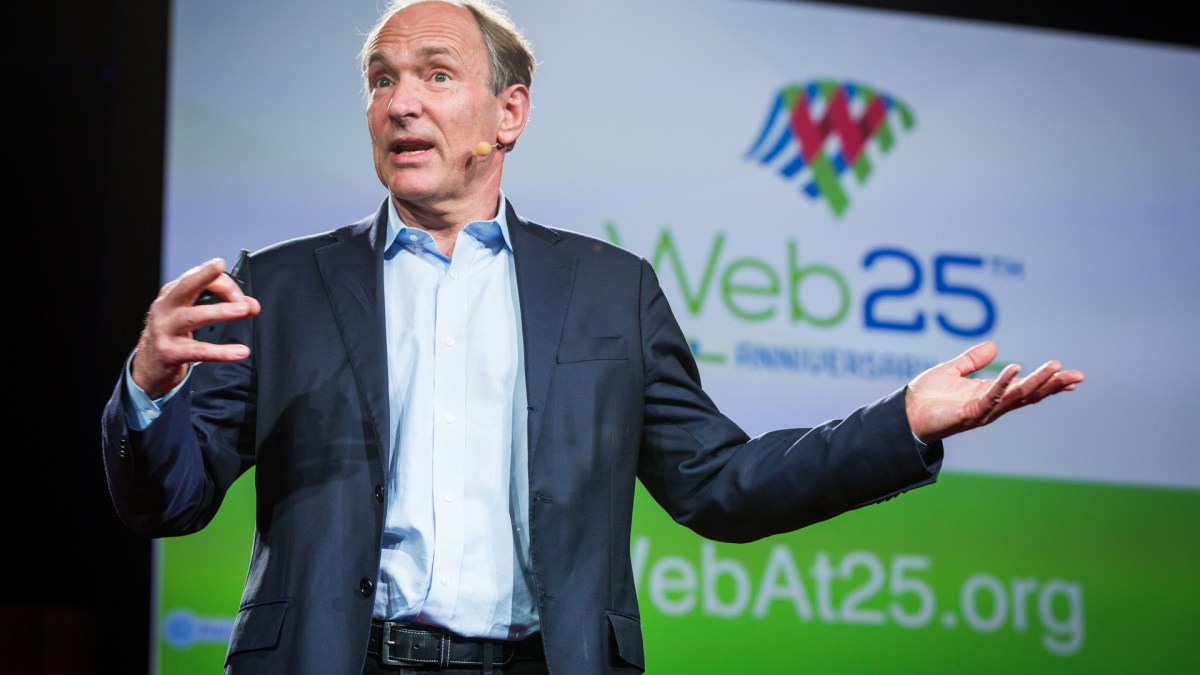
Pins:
<point x="366" y="587"/>
<point x="379" y="493"/>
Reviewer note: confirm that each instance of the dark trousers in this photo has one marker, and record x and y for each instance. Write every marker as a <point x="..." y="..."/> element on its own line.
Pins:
<point x="373" y="667"/>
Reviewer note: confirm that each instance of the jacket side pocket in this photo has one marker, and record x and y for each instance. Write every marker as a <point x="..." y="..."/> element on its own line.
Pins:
<point x="257" y="626"/>
<point x="626" y="634"/>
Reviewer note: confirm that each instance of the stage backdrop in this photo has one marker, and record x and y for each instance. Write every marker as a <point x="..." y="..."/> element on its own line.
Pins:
<point x="834" y="200"/>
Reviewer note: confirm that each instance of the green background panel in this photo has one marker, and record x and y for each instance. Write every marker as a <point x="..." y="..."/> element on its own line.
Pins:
<point x="1130" y="555"/>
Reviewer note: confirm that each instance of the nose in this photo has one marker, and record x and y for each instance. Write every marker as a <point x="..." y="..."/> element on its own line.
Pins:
<point x="404" y="101"/>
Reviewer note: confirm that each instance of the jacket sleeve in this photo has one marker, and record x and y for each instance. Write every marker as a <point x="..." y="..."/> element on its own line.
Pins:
<point x="710" y="476"/>
<point x="170" y="478"/>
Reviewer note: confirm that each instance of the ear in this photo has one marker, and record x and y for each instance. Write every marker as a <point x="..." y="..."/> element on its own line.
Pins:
<point x="514" y="112"/>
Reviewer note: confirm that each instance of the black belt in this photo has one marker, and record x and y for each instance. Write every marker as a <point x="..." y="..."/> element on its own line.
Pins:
<point x="415" y="646"/>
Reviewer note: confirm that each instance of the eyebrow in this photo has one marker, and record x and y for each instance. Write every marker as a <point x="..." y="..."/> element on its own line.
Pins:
<point x="426" y="52"/>
<point x="437" y="51"/>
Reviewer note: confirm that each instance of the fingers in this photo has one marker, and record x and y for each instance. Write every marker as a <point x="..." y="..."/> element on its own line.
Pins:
<point x="1008" y="393"/>
<point x="1060" y="381"/>
<point x="161" y="362"/>
<point x="1000" y="387"/>
<point x="190" y="318"/>
<point x="230" y="302"/>
<point x="207" y="277"/>
<point x="188" y="286"/>
<point x="169" y="331"/>
<point x="1046" y="380"/>
<point x="1070" y="378"/>
<point x="175" y="313"/>
<point x="976" y="358"/>
<point x="990" y="405"/>
<point x="167" y="346"/>
<point x="166" y="354"/>
<point x="943" y="401"/>
<point x="195" y="351"/>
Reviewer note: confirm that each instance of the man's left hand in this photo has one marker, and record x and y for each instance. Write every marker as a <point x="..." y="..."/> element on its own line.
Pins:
<point x="943" y="401"/>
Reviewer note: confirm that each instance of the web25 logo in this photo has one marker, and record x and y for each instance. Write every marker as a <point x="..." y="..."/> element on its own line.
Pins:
<point x="825" y="126"/>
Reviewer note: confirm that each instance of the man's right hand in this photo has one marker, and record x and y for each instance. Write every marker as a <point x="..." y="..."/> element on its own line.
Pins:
<point x="167" y="348"/>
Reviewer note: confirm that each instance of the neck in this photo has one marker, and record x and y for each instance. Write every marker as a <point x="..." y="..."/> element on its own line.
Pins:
<point x="443" y="221"/>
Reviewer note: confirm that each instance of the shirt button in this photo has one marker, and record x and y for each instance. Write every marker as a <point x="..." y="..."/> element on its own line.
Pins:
<point x="366" y="587"/>
<point x="445" y="581"/>
<point x="449" y="418"/>
<point x="412" y="237"/>
<point x="453" y="274"/>
<point x="449" y="498"/>
<point x="450" y="342"/>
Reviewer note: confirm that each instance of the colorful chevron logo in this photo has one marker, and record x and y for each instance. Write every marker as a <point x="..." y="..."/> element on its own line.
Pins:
<point x="825" y="127"/>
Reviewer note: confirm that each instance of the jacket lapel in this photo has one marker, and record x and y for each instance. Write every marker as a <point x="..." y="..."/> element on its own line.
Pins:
<point x="545" y="276"/>
<point x="352" y="269"/>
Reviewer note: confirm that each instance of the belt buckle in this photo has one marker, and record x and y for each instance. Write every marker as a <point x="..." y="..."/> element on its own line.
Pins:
<point x="438" y="654"/>
<point x="386" y="643"/>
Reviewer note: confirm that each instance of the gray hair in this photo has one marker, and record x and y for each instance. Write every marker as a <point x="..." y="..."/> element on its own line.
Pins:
<point x="510" y="56"/>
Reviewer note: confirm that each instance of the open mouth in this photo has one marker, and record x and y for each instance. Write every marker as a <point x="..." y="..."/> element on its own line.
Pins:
<point x="409" y="146"/>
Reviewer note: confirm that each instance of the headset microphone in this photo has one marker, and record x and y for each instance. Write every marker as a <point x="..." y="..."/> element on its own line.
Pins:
<point x="484" y="148"/>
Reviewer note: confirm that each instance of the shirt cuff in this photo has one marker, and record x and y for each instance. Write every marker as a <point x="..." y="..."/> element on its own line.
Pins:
<point x="922" y="447"/>
<point x="140" y="409"/>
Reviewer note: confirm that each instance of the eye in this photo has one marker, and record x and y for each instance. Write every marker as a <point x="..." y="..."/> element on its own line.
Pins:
<point x="440" y="78"/>
<point x="381" y="82"/>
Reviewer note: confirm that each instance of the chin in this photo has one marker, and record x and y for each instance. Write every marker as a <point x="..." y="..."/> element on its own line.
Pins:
<point x="408" y="190"/>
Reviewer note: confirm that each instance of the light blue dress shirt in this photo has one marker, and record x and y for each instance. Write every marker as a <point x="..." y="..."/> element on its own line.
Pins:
<point x="455" y="536"/>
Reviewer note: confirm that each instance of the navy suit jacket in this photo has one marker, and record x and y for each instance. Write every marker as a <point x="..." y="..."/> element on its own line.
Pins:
<point x="614" y="396"/>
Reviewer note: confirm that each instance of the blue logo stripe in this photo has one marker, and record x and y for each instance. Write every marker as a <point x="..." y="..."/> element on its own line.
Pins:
<point x="766" y="130"/>
<point x="793" y="168"/>
<point x="785" y="139"/>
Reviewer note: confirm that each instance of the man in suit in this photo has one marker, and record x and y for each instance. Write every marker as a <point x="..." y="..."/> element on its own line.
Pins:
<point x="448" y="406"/>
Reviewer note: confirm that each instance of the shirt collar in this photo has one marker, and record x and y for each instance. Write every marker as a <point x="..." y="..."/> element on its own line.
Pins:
<point x="492" y="233"/>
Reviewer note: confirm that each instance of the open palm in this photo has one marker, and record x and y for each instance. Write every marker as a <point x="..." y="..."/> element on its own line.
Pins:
<point x="943" y="400"/>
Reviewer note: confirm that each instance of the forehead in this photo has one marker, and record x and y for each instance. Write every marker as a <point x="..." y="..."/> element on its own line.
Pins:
<point x="431" y="28"/>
